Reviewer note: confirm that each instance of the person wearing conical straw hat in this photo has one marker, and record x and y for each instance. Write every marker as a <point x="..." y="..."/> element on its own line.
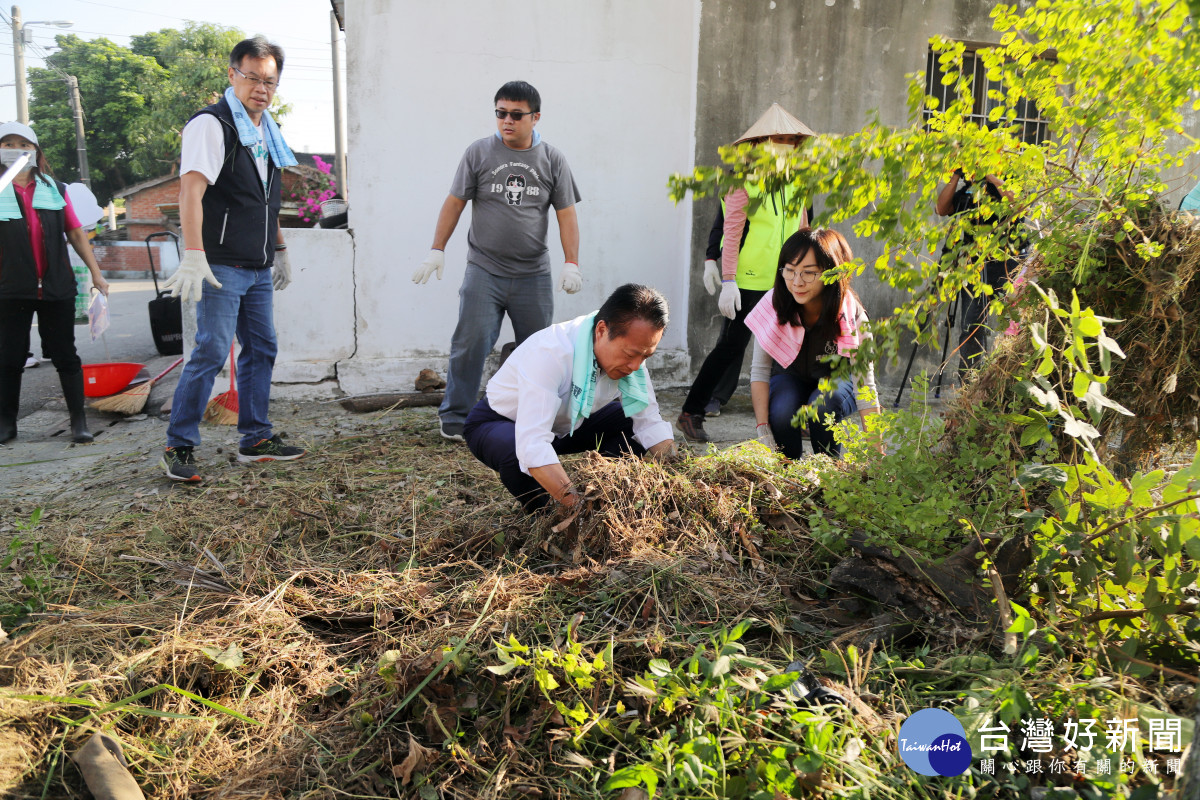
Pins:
<point x="761" y="224"/>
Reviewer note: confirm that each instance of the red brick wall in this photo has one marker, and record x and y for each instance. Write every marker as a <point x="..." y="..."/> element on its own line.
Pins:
<point x="142" y="205"/>
<point x="129" y="256"/>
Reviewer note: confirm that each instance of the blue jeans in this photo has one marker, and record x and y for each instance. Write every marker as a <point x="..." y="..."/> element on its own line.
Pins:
<point x="244" y="304"/>
<point x="483" y="300"/>
<point x="787" y="394"/>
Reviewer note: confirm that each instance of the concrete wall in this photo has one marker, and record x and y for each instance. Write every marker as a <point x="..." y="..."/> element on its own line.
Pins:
<point x="829" y="62"/>
<point x="632" y="91"/>
<point x="617" y="80"/>
<point x="314" y="317"/>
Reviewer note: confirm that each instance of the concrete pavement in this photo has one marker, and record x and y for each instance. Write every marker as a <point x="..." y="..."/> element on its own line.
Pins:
<point x="128" y="339"/>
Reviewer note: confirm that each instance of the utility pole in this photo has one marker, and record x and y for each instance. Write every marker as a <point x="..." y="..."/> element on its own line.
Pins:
<point x="18" y="32"/>
<point x="339" y="158"/>
<point x="19" y="66"/>
<point x="80" y="142"/>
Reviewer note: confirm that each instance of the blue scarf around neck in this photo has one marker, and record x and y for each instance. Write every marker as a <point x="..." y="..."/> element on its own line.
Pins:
<point x="281" y="154"/>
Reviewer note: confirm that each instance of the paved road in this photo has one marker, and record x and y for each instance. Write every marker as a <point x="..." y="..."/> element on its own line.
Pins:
<point x="128" y="339"/>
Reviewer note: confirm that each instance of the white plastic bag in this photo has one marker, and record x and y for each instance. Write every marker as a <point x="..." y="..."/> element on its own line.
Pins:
<point x="98" y="315"/>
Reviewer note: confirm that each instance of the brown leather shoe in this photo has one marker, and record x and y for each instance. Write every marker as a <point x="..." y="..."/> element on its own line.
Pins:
<point x="692" y="426"/>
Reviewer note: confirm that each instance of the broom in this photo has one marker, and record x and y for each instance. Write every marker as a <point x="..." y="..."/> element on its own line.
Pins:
<point x="132" y="401"/>
<point x="223" y="409"/>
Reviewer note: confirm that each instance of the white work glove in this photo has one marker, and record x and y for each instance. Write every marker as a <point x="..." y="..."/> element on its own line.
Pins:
<point x="730" y="301"/>
<point x="282" y="276"/>
<point x="765" y="437"/>
<point x="188" y="280"/>
<point x="712" y="277"/>
<point x="571" y="280"/>
<point x="434" y="262"/>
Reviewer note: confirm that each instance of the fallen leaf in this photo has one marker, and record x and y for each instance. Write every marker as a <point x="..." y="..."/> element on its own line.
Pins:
<point x="230" y="658"/>
<point x="417" y="760"/>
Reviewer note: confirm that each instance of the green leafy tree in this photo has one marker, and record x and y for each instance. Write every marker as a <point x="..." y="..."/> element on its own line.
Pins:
<point x="195" y="61"/>
<point x="136" y="100"/>
<point x="115" y="85"/>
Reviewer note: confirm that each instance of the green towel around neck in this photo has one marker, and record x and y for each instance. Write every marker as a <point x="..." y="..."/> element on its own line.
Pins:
<point x="634" y="388"/>
<point x="45" y="197"/>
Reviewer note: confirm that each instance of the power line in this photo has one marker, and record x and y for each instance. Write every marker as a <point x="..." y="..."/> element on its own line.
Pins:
<point x="167" y="16"/>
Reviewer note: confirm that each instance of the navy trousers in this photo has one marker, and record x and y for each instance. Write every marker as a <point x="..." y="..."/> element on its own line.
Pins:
<point x="492" y="438"/>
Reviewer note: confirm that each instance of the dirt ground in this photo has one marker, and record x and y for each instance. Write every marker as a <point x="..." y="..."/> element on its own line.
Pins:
<point x="42" y="465"/>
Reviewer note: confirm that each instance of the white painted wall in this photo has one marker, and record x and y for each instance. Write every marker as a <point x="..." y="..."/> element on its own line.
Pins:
<point x="618" y="86"/>
<point x="314" y="316"/>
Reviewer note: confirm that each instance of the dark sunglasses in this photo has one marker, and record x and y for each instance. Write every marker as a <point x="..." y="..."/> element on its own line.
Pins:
<point x="516" y="116"/>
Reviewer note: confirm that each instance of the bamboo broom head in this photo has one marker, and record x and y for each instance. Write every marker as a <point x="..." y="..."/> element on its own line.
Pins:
<point x="130" y="401"/>
<point x="222" y="409"/>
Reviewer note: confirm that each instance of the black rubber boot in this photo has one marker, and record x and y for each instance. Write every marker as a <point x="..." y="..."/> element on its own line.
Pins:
<point x="10" y="403"/>
<point x="72" y="386"/>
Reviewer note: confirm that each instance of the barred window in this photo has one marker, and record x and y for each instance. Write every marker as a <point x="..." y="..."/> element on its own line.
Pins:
<point x="1033" y="128"/>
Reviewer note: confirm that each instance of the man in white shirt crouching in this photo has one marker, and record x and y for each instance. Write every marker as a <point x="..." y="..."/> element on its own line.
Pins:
<point x="575" y="386"/>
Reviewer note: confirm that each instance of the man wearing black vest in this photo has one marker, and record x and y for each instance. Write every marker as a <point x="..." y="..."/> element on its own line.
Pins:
<point x="229" y="198"/>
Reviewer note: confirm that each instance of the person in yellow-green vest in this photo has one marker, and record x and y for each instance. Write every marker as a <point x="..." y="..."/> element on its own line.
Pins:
<point x="761" y="224"/>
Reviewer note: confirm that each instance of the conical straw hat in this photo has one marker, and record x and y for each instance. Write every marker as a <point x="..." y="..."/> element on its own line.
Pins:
<point x="775" y="122"/>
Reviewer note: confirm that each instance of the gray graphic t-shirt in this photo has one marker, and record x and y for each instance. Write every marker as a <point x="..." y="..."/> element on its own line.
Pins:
<point x="511" y="193"/>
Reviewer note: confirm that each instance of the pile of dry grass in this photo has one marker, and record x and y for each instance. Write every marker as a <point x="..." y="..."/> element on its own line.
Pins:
<point x="347" y="603"/>
<point x="1157" y="303"/>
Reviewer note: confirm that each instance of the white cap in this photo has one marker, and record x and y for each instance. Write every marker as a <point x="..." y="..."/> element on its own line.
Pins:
<point x="20" y="129"/>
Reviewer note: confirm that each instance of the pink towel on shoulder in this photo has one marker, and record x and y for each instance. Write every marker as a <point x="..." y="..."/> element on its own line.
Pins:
<point x="783" y="342"/>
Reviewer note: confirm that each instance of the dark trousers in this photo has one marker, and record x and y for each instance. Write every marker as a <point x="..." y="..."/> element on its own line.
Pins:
<point x="973" y="329"/>
<point x="492" y="438"/>
<point x="56" y="325"/>
<point x="726" y="354"/>
<point x="787" y="394"/>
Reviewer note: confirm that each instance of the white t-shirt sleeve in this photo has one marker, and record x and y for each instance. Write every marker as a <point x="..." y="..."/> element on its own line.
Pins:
<point x="203" y="148"/>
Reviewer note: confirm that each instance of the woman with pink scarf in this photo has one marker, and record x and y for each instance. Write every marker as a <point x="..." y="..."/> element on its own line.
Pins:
<point x="797" y="326"/>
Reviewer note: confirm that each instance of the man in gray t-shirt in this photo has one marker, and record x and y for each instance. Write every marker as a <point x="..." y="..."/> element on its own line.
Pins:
<point x="511" y="179"/>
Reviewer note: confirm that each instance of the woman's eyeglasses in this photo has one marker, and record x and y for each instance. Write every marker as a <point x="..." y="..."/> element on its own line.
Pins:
<point x="516" y="116"/>
<point x="801" y="277"/>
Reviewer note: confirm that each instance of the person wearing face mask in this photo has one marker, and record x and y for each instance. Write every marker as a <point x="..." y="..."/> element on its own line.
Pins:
<point x="36" y="223"/>
<point x="759" y="224"/>
<point x="798" y="325"/>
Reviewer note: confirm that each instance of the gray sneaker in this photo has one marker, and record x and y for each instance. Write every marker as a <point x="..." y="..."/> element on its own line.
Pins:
<point x="180" y="465"/>
<point x="452" y="431"/>
<point x="713" y="409"/>
<point x="272" y="449"/>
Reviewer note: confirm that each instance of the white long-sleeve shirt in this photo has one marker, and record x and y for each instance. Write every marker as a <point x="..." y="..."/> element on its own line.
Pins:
<point x="533" y="387"/>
